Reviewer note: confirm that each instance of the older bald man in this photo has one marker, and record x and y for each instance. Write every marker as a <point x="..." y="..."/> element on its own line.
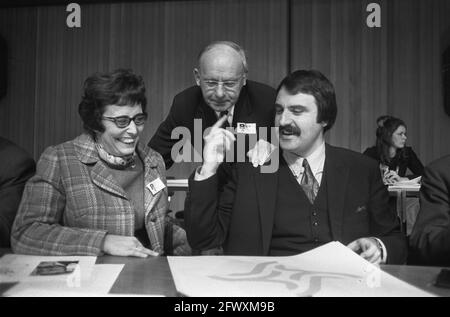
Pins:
<point x="221" y="88"/>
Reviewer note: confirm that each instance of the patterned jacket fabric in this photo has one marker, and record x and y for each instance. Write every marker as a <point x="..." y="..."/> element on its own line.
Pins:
<point x="73" y="201"/>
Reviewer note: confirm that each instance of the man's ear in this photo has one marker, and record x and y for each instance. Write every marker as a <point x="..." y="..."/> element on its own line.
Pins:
<point x="197" y="76"/>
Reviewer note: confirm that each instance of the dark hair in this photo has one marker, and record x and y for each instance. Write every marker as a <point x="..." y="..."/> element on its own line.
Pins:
<point x="382" y="119"/>
<point x="120" y="87"/>
<point x="314" y="83"/>
<point x="384" y="139"/>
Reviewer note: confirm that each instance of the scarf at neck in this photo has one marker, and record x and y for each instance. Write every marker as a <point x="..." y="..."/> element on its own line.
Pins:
<point x="118" y="162"/>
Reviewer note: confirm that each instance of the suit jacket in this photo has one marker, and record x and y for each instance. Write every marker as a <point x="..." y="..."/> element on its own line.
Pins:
<point x="255" y="105"/>
<point x="73" y="202"/>
<point x="241" y="217"/>
<point x="16" y="167"/>
<point x="430" y="238"/>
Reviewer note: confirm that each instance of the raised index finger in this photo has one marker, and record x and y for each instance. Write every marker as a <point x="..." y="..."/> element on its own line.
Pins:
<point x="219" y="122"/>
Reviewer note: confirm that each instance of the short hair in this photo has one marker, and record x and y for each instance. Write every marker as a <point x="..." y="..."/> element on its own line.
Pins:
<point x="314" y="83"/>
<point x="384" y="139"/>
<point x="229" y="44"/>
<point x="120" y="87"/>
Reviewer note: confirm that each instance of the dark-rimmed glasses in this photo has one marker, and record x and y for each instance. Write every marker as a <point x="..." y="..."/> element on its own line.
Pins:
<point x="124" y="121"/>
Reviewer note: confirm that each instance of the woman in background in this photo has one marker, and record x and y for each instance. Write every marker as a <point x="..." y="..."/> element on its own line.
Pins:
<point x="393" y="154"/>
<point x="103" y="192"/>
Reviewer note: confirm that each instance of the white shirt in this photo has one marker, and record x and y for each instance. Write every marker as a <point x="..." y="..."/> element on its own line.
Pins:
<point x="316" y="161"/>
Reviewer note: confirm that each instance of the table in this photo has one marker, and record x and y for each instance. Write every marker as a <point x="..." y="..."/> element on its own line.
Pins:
<point x="401" y="194"/>
<point x="152" y="276"/>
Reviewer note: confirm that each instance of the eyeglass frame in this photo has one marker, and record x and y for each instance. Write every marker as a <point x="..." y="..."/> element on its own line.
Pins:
<point x="114" y="119"/>
<point x="216" y="83"/>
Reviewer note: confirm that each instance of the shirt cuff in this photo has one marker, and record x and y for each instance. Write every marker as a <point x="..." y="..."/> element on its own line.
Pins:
<point x="382" y="249"/>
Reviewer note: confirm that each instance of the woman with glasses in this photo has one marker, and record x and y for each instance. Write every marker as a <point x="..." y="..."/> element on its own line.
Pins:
<point x="103" y="192"/>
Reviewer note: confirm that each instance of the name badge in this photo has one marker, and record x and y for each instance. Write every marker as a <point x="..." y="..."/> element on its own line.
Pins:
<point x="246" y="128"/>
<point x="156" y="186"/>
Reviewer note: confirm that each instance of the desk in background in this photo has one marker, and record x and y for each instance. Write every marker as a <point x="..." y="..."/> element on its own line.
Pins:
<point x="402" y="193"/>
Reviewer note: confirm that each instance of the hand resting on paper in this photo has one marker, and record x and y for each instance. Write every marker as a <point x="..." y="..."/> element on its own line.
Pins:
<point x="368" y="249"/>
<point x="391" y="178"/>
<point x="125" y="246"/>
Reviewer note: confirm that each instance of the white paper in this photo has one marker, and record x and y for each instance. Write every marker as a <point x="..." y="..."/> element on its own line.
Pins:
<point x="182" y="182"/>
<point x="101" y="280"/>
<point x="330" y="270"/>
<point x="19" y="268"/>
<point x="412" y="183"/>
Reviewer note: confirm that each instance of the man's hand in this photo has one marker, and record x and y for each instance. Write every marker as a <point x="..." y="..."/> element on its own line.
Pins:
<point x="260" y="152"/>
<point x="367" y="248"/>
<point x="217" y="142"/>
<point x="125" y="246"/>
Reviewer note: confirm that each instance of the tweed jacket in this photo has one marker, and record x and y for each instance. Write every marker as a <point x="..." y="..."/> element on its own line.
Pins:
<point x="73" y="201"/>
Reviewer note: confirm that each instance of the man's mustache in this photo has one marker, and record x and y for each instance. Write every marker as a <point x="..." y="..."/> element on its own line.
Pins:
<point x="289" y="129"/>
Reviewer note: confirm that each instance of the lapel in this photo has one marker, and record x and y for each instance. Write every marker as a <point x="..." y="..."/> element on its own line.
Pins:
<point x="150" y="174"/>
<point x="337" y="173"/>
<point x="266" y="189"/>
<point x="155" y="206"/>
<point x="87" y="154"/>
<point x="207" y="115"/>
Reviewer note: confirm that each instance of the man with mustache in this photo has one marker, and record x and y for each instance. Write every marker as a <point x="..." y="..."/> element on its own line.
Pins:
<point x="221" y="89"/>
<point x="319" y="193"/>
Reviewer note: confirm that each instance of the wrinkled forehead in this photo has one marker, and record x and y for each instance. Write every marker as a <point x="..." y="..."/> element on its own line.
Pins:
<point x="221" y="62"/>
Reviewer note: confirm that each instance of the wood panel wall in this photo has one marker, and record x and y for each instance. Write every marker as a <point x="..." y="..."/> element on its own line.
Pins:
<point x="393" y="70"/>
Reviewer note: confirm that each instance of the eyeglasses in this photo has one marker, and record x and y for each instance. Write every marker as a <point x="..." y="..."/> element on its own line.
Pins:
<point x="124" y="121"/>
<point x="227" y="85"/>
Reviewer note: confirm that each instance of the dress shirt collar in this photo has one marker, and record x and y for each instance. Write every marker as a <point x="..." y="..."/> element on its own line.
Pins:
<point x="316" y="161"/>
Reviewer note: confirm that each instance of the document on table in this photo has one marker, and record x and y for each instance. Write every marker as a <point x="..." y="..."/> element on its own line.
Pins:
<point x="21" y="268"/>
<point x="329" y="270"/>
<point x="409" y="184"/>
<point x="56" y="276"/>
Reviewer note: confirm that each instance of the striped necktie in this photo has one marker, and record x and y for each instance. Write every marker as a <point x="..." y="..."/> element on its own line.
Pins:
<point x="309" y="183"/>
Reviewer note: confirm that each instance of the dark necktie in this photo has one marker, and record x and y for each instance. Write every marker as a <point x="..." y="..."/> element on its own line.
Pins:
<point x="226" y="124"/>
<point x="309" y="183"/>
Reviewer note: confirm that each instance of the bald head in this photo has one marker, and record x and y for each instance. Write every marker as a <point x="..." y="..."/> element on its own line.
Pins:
<point x="221" y="73"/>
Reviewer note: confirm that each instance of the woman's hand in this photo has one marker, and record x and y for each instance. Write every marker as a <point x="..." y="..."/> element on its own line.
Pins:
<point x="125" y="246"/>
<point x="391" y="177"/>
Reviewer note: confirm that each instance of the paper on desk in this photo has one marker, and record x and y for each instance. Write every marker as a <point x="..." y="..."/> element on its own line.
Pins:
<point x="330" y="270"/>
<point x="100" y="282"/>
<point x="411" y="182"/>
<point x="21" y="268"/>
